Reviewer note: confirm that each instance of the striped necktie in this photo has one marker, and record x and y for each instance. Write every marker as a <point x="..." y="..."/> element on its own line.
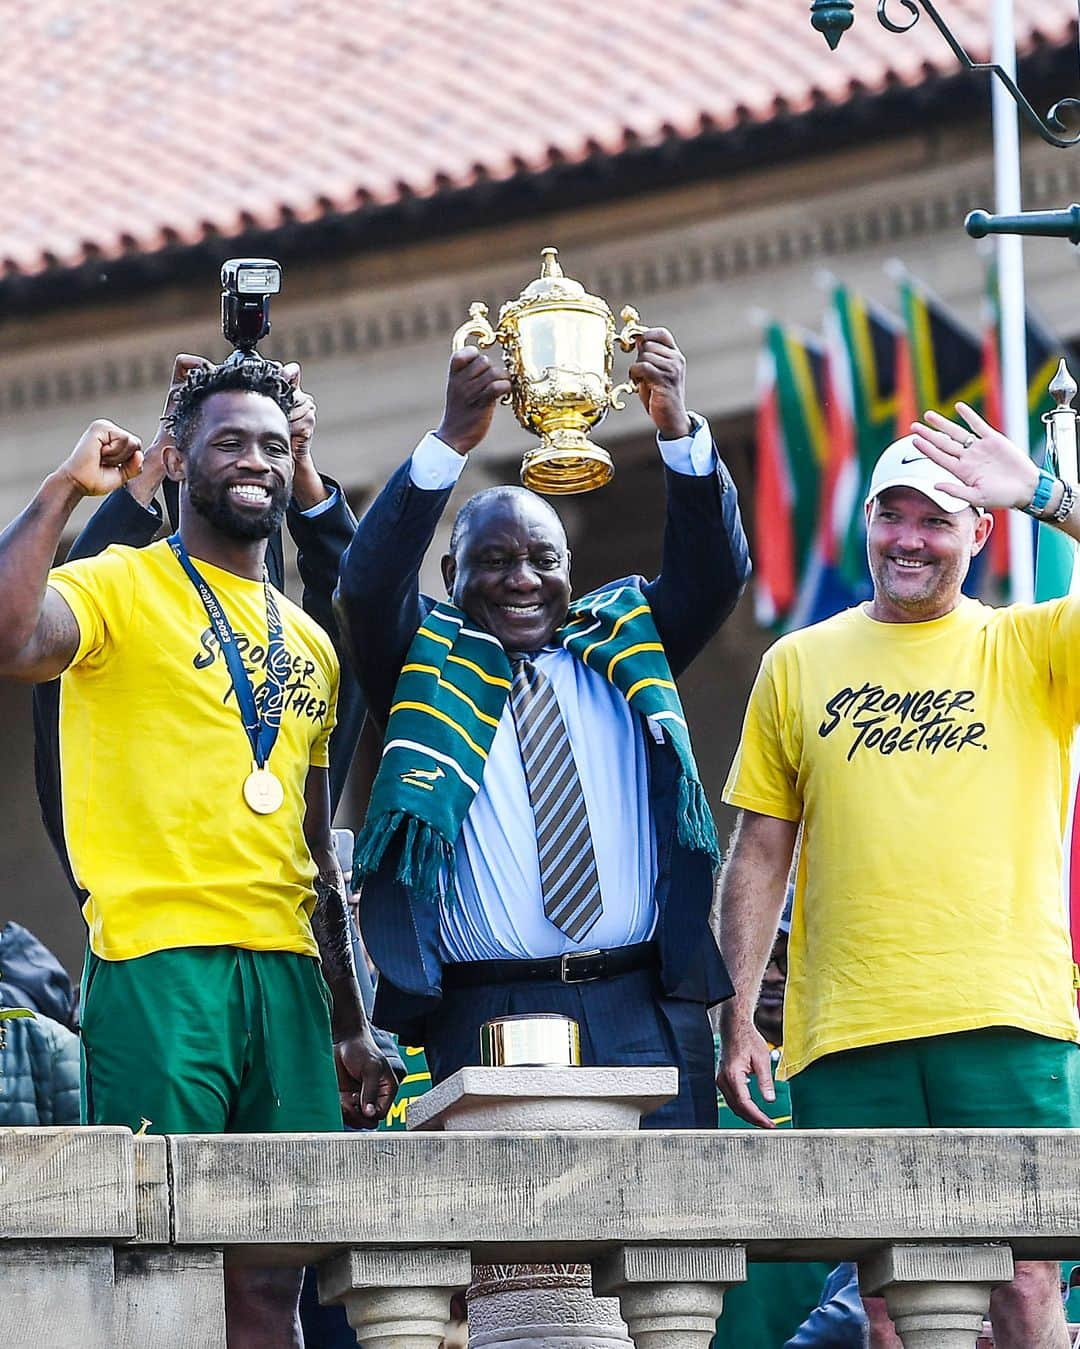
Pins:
<point x="569" y="881"/>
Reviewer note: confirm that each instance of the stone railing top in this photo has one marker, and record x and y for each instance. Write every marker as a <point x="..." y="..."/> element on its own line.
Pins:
<point x="68" y="1184"/>
<point x="534" y="1195"/>
<point x="796" y="1193"/>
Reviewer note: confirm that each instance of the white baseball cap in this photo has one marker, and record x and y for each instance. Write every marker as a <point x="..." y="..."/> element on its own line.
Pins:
<point x="903" y="465"/>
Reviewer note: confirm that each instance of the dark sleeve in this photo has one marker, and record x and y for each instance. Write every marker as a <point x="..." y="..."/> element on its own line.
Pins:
<point x="378" y="602"/>
<point x="119" y="519"/>
<point x="320" y="541"/>
<point x="705" y="562"/>
<point x="838" y="1321"/>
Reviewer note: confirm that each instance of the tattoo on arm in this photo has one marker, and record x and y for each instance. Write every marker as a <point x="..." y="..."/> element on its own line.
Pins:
<point x="330" y="924"/>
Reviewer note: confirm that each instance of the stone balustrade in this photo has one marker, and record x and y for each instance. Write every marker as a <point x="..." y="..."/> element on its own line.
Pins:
<point x="109" y="1241"/>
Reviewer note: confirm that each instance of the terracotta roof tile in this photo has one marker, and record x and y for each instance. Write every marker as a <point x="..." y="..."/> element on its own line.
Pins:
<point x="135" y="123"/>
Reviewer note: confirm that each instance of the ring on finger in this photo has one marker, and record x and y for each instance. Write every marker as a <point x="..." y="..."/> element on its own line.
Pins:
<point x="972" y="438"/>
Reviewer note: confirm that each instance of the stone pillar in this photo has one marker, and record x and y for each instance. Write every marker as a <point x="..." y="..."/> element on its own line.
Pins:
<point x="56" y="1295"/>
<point x="169" y="1299"/>
<point x="535" y="1306"/>
<point x="518" y="1306"/>
<point x="396" y="1299"/>
<point x="937" y="1296"/>
<point x="670" y="1296"/>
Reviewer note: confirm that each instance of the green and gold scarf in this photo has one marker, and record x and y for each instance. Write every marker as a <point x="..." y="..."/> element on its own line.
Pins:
<point x="447" y="704"/>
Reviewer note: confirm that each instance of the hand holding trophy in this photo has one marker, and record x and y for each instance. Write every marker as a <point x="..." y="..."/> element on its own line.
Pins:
<point x="559" y="346"/>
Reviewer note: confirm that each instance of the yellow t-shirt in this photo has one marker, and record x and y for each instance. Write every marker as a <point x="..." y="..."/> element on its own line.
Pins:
<point x="929" y="764"/>
<point x="153" y="756"/>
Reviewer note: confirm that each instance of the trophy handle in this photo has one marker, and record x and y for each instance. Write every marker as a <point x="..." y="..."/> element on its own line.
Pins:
<point x="632" y="328"/>
<point x="476" y="327"/>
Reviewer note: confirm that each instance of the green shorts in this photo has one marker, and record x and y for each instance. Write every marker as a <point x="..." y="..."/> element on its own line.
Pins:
<point x="997" y="1078"/>
<point x="209" y="1039"/>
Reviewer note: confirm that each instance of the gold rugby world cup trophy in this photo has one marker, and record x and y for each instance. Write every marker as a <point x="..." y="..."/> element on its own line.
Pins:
<point x="559" y="342"/>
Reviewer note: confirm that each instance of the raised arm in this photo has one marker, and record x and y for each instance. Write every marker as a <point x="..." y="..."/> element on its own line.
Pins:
<point x="705" y="562"/>
<point x="38" y="632"/>
<point x="133" y="516"/>
<point x="995" y="473"/>
<point x="752" y="889"/>
<point x="366" y="1082"/>
<point x="378" y="603"/>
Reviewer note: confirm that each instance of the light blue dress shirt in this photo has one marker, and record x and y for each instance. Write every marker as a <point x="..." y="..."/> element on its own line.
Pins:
<point x="497" y="912"/>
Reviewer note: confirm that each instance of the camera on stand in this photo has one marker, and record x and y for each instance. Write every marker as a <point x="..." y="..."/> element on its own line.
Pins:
<point x="246" y="287"/>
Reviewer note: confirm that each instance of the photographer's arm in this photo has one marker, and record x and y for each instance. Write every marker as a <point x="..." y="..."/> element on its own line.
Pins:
<point x="38" y="632"/>
<point x="366" y="1082"/>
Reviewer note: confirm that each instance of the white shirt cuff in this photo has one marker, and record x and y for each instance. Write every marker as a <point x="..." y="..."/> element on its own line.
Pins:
<point x="434" y="465"/>
<point x="692" y="454"/>
<point x="321" y="507"/>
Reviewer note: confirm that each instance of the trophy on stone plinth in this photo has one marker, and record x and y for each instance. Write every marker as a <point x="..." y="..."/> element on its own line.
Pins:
<point x="559" y="344"/>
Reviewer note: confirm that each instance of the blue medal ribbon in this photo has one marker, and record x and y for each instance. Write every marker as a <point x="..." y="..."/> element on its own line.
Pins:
<point x="262" y="731"/>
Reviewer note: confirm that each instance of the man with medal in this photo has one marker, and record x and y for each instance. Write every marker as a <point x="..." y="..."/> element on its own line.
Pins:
<point x="212" y="891"/>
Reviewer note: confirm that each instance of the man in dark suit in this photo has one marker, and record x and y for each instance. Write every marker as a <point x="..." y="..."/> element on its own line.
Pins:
<point x="571" y="886"/>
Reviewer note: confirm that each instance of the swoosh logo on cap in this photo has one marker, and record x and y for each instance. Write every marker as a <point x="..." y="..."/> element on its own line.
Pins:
<point x="915" y="458"/>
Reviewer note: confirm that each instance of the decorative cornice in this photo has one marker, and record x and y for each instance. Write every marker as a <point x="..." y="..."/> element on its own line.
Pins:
<point x="802" y="231"/>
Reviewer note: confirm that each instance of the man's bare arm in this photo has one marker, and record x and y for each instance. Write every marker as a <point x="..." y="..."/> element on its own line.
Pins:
<point x="752" y="891"/>
<point x="366" y="1082"/>
<point x="38" y="632"/>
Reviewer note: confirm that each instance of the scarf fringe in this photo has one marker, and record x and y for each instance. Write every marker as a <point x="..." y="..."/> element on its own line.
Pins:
<point x="423" y="852"/>
<point x="696" y="826"/>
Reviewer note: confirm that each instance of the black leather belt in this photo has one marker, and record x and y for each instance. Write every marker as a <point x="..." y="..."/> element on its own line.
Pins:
<point x="575" y="967"/>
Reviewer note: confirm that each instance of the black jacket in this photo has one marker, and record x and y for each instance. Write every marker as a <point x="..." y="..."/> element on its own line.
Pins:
<point x="704" y="568"/>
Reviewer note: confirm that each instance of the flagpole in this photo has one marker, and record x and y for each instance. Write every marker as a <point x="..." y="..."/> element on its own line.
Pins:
<point x="1010" y="266"/>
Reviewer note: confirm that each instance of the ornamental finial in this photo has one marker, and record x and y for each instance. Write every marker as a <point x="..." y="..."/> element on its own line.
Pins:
<point x="1063" y="386"/>
<point x="832" y="18"/>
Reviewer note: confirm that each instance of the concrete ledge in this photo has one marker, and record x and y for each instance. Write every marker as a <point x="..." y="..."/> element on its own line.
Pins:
<point x="936" y="1264"/>
<point x="152" y="1214"/>
<point x="418" y="1268"/>
<point x="798" y="1195"/>
<point x="670" y="1264"/>
<point x="74" y="1184"/>
<point x="530" y="1099"/>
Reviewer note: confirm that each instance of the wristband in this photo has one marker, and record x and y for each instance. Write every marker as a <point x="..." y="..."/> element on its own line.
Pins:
<point x="1065" y="505"/>
<point x="1043" y="490"/>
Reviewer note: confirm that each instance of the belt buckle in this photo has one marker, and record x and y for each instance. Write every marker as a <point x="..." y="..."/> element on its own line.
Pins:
<point x="566" y="973"/>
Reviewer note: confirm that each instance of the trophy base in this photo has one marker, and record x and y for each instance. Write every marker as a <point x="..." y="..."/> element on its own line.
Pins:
<point x="566" y="461"/>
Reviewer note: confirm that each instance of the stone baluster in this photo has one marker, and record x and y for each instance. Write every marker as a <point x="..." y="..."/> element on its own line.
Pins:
<point x="938" y="1295"/>
<point x="396" y="1299"/>
<point x="670" y="1296"/>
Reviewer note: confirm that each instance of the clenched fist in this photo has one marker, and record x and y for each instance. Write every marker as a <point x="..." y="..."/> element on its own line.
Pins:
<point x="105" y="458"/>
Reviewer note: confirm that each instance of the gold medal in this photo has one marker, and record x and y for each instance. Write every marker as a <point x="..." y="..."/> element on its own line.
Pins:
<point x="263" y="792"/>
